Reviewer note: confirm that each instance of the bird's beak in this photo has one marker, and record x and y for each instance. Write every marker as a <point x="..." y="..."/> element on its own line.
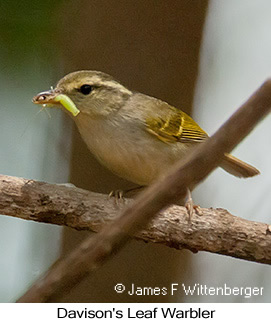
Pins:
<point x="54" y="97"/>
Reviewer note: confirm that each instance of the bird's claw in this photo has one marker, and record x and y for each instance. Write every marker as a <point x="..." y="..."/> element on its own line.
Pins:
<point x="118" y="196"/>
<point x="190" y="206"/>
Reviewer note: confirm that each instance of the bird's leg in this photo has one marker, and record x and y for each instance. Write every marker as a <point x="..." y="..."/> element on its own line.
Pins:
<point x="190" y="206"/>
<point x="119" y="194"/>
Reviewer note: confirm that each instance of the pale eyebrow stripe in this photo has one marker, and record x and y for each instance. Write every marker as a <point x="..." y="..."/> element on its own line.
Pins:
<point x="115" y="85"/>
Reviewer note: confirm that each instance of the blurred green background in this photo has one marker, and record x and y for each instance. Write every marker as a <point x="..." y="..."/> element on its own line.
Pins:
<point x="32" y="145"/>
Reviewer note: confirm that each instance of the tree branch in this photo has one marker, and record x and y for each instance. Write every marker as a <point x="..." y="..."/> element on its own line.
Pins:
<point x="214" y="230"/>
<point x="86" y="258"/>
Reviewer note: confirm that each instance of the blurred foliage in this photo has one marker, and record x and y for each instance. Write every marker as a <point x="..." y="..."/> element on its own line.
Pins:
<point x="27" y="30"/>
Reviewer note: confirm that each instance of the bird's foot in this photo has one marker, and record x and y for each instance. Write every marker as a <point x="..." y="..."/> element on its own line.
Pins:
<point x="118" y="195"/>
<point x="190" y="206"/>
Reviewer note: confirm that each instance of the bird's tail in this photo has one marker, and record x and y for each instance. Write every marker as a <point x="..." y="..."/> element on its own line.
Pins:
<point x="237" y="167"/>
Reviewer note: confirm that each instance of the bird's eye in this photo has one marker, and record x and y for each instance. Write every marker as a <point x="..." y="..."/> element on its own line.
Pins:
<point x="86" y="89"/>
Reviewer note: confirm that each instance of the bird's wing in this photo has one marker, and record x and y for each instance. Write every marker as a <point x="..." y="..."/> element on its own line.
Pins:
<point x="175" y="126"/>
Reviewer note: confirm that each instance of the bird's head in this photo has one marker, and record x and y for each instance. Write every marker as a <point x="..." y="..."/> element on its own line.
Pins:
<point x="87" y="92"/>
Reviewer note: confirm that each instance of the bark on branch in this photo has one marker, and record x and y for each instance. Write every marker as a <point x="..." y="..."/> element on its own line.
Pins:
<point x="215" y="230"/>
<point x="68" y="272"/>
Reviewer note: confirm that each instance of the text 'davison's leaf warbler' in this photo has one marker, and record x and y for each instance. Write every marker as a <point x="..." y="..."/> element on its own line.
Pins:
<point x="136" y="136"/>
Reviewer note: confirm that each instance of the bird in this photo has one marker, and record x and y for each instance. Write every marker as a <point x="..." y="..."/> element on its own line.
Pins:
<point x="136" y="136"/>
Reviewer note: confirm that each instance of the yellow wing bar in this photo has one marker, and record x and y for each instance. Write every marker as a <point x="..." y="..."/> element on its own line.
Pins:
<point x="178" y="127"/>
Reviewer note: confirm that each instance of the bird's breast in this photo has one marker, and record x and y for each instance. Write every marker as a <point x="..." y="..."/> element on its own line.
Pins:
<point x="129" y="152"/>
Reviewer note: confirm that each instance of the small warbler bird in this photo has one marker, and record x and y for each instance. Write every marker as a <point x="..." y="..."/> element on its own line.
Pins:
<point x="136" y="136"/>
